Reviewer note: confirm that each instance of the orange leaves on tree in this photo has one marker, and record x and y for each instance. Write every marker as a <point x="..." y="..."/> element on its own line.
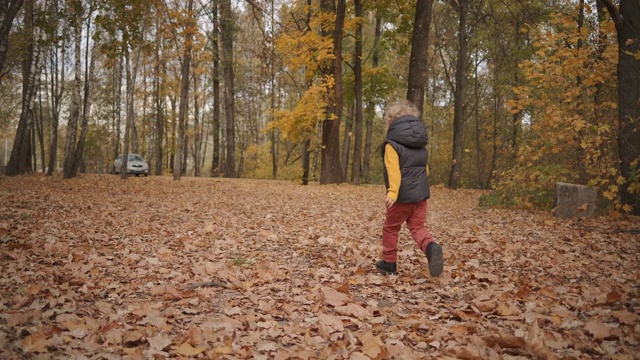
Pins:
<point x="568" y="104"/>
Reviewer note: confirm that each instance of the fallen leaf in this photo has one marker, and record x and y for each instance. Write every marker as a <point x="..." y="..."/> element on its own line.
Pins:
<point x="188" y="350"/>
<point x="372" y="346"/>
<point x="485" y="306"/>
<point x="506" y="309"/>
<point x="625" y="317"/>
<point x="598" y="329"/>
<point x="354" y="310"/>
<point x="159" y="342"/>
<point x="329" y="324"/>
<point x="613" y="297"/>
<point x="334" y="297"/>
<point x="36" y="343"/>
<point x="505" y="341"/>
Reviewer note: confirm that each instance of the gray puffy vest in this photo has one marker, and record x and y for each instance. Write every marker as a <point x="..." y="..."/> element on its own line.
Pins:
<point x="408" y="136"/>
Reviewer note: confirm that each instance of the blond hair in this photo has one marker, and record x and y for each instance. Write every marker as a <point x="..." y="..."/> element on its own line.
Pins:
<point x="400" y="108"/>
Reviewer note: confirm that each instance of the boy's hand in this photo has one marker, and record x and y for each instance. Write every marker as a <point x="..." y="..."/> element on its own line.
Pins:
<point x="389" y="202"/>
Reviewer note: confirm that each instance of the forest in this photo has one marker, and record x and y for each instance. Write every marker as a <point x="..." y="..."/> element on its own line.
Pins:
<point x="516" y="95"/>
<point x="262" y="123"/>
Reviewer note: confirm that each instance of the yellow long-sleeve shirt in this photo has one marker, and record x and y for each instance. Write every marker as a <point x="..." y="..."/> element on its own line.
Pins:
<point x="392" y="164"/>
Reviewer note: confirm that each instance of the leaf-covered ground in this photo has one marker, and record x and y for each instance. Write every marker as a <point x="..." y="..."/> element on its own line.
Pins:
<point x="100" y="268"/>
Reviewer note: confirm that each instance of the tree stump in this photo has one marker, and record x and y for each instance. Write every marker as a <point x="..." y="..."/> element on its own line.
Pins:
<point x="572" y="200"/>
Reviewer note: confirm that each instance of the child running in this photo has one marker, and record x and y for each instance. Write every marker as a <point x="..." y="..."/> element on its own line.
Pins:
<point x="406" y="170"/>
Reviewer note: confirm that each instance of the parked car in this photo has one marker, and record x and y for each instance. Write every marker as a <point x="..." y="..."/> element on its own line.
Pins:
<point x="135" y="165"/>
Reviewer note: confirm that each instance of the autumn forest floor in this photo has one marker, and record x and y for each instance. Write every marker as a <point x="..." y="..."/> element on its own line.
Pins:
<point x="100" y="268"/>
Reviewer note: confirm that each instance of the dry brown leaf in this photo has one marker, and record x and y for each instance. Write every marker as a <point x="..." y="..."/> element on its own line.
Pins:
<point x="188" y="350"/>
<point x="625" y="317"/>
<point x="486" y="277"/>
<point x="329" y="324"/>
<point x="535" y="343"/>
<point x="598" y="329"/>
<point x="372" y="346"/>
<point x="613" y="297"/>
<point x="17" y="319"/>
<point x="334" y="297"/>
<point x="159" y="342"/>
<point x="354" y="310"/>
<point x="485" y="306"/>
<point x="468" y="353"/>
<point x="36" y="343"/>
<point x="506" y="309"/>
<point x="505" y="341"/>
<point x="459" y="330"/>
<point x="266" y="346"/>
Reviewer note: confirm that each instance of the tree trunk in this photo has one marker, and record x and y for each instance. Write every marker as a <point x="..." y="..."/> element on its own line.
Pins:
<point x="497" y="106"/>
<point x="75" y="110"/>
<point x="305" y="161"/>
<point x="459" y="97"/>
<point x="129" y="112"/>
<point x="40" y="125"/>
<point x="174" y="122"/>
<point x="419" y="50"/>
<point x="86" y="105"/>
<point x="8" y="11"/>
<point x="370" y="111"/>
<point x="627" y="20"/>
<point x="226" y="32"/>
<point x="215" y="50"/>
<point x="57" y="87"/>
<point x="160" y="69"/>
<point x="184" y="100"/>
<point x="476" y="117"/>
<point x="196" y="128"/>
<point x="117" y="107"/>
<point x="20" y="160"/>
<point x="272" y="85"/>
<point x="516" y="118"/>
<point x="356" y="166"/>
<point x="331" y="171"/>
<point x="346" y="143"/>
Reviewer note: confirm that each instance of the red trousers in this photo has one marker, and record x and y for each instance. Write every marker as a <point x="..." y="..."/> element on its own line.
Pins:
<point x="415" y="214"/>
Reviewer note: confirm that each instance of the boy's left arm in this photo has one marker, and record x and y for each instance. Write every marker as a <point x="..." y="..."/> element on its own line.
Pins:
<point x="392" y="163"/>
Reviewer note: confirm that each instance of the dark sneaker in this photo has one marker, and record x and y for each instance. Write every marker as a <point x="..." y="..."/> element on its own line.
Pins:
<point x="434" y="256"/>
<point x="386" y="267"/>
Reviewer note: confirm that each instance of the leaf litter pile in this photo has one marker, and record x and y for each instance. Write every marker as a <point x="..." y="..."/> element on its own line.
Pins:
<point x="100" y="268"/>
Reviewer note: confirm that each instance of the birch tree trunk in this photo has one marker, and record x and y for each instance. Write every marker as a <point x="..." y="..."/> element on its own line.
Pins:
<point x="74" y="111"/>
<point x="215" y="116"/>
<point x="226" y="32"/>
<point x="20" y="159"/>
<point x="197" y="135"/>
<point x="8" y="11"/>
<point x="57" y="88"/>
<point x="128" y="111"/>
<point x="184" y="101"/>
<point x="159" y="94"/>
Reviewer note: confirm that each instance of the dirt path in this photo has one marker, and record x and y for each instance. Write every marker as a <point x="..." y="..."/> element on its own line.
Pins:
<point x="101" y="268"/>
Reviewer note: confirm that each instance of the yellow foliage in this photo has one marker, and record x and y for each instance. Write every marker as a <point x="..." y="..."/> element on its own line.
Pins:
<point x="571" y="136"/>
<point x="298" y="123"/>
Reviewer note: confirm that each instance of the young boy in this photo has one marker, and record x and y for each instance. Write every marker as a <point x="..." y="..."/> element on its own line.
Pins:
<point x="406" y="177"/>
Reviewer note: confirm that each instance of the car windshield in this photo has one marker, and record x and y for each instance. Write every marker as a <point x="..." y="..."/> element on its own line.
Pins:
<point x="134" y="158"/>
